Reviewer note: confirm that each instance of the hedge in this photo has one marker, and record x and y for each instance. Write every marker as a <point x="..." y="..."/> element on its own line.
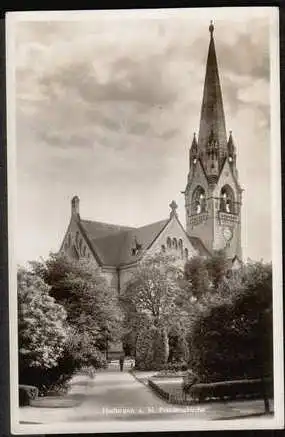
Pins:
<point x="239" y="389"/>
<point x="26" y="394"/>
<point x="226" y="390"/>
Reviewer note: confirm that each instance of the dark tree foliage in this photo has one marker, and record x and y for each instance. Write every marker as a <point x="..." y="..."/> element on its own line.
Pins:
<point x="196" y="274"/>
<point x="217" y="266"/>
<point x="178" y="346"/>
<point x="160" y="348"/>
<point x="144" y="348"/>
<point x="204" y="275"/>
<point x="92" y="306"/>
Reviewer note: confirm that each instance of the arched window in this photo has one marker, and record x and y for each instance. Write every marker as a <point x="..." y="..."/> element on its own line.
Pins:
<point x="180" y="245"/>
<point x="174" y="243"/>
<point x="74" y="253"/>
<point x="227" y="203"/>
<point x="84" y="251"/>
<point x="186" y="253"/>
<point x="198" y="200"/>
<point x="163" y="248"/>
<point x="77" y="238"/>
<point x="168" y="242"/>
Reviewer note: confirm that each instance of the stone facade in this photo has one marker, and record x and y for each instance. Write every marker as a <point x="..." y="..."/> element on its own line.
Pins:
<point x="167" y="236"/>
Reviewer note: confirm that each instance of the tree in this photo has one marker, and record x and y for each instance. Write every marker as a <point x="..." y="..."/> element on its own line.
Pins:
<point x="154" y="289"/>
<point x="144" y="348"/>
<point x="160" y="347"/>
<point x="152" y="304"/>
<point x="217" y="266"/>
<point x="178" y="346"/>
<point x="197" y="276"/>
<point x="206" y="275"/>
<point x="92" y="306"/>
<point x="42" y="327"/>
<point x="232" y="334"/>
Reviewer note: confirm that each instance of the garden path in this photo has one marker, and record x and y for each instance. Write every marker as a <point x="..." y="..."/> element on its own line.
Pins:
<point x="117" y="396"/>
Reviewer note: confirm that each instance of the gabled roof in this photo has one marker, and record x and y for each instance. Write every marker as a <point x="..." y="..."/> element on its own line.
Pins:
<point x="199" y="162"/>
<point x="99" y="229"/>
<point x="232" y="173"/>
<point x="114" y="244"/>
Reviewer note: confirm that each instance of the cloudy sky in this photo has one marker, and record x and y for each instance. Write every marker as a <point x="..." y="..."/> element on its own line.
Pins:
<point x="106" y="109"/>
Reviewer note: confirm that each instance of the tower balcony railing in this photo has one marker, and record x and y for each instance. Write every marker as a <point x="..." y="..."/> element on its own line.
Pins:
<point x="227" y="217"/>
<point x="196" y="219"/>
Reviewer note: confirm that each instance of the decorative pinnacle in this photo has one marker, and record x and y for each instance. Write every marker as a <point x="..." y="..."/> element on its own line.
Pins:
<point x="230" y="140"/>
<point x="211" y="28"/>
<point x="194" y="142"/>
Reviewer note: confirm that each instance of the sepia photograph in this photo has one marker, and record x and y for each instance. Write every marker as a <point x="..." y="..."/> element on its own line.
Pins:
<point x="144" y="207"/>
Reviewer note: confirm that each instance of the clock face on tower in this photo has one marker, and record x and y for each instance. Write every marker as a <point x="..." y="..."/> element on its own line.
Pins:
<point x="228" y="234"/>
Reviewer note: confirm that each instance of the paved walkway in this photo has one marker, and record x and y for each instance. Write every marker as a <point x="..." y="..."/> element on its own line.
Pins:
<point x="114" y="395"/>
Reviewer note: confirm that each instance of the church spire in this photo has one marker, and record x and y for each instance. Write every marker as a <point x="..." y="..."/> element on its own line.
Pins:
<point x="212" y="122"/>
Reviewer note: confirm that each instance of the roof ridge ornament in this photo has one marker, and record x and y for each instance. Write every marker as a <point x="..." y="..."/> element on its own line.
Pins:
<point x="173" y="206"/>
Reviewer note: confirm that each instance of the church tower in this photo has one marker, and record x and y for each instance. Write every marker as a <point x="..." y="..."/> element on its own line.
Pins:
<point x="213" y="195"/>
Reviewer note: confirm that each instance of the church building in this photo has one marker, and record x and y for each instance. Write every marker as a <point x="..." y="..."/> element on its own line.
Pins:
<point x="213" y="199"/>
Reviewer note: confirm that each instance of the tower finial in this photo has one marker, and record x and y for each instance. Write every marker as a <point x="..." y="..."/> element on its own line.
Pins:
<point x="211" y="28"/>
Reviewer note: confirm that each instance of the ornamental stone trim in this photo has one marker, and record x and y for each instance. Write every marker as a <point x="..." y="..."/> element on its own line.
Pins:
<point x="198" y="218"/>
<point x="227" y="218"/>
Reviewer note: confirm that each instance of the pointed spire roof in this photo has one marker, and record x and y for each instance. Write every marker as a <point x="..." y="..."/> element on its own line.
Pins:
<point x="212" y="111"/>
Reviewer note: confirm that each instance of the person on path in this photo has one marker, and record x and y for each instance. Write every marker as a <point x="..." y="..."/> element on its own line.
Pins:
<point x="121" y="360"/>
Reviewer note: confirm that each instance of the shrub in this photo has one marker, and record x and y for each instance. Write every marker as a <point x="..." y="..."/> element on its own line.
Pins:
<point x="144" y="349"/>
<point x="230" y="390"/>
<point x="26" y="393"/>
<point x="172" y="369"/>
<point x="160" y="349"/>
<point x="152" y="349"/>
<point x="175" y="367"/>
